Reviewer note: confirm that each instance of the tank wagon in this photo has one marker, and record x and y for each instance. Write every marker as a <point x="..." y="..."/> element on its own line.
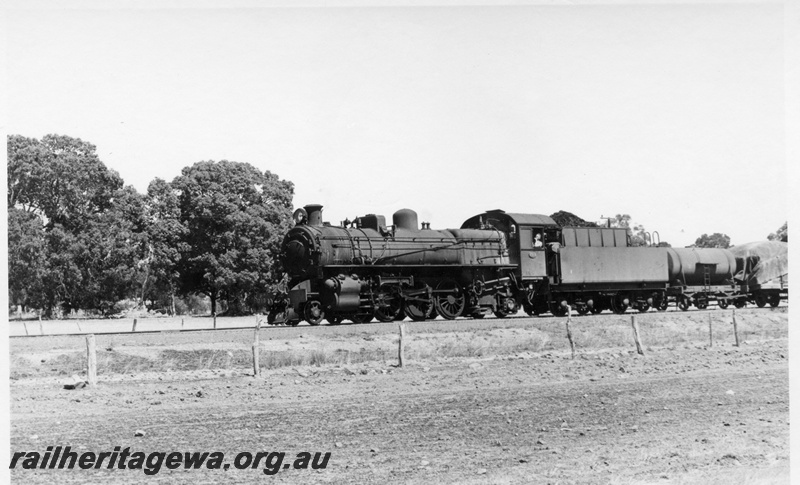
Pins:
<point x="496" y="262"/>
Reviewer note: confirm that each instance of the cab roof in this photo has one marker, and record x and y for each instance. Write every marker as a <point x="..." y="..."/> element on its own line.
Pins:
<point x="519" y="219"/>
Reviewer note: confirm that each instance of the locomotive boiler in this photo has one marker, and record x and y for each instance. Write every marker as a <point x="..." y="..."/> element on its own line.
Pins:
<point x="365" y="269"/>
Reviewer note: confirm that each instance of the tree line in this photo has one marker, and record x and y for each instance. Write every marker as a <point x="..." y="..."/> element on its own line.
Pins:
<point x="80" y="239"/>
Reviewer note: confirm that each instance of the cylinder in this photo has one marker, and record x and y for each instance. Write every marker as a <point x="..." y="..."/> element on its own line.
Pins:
<point x="342" y="293"/>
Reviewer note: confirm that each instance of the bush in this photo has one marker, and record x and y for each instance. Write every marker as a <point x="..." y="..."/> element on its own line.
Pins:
<point x="193" y="305"/>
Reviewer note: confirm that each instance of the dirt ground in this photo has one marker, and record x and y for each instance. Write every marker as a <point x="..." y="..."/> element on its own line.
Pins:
<point x="683" y="413"/>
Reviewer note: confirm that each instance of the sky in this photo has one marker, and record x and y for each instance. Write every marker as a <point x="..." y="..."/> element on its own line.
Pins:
<point x="672" y="113"/>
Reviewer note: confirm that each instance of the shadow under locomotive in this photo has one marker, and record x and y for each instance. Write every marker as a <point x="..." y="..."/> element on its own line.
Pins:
<point x="497" y="262"/>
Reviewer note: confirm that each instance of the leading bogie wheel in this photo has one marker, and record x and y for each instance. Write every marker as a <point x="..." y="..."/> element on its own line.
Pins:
<point x="313" y="312"/>
<point x="761" y="300"/>
<point x="361" y="317"/>
<point x="683" y="303"/>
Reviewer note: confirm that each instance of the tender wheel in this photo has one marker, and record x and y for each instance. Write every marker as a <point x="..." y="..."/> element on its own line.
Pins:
<point x="313" y="313"/>
<point x="618" y="304"/>
<point x="450" y="300"/>
<point x="723" y="304"/>
<point x="774" y="300"/>
<point x="388" y="305"/>
<point x="583" y="310"/>
<point x="418" y="305"/>
<point x="761" y="300"/>
<point x="597" y="309"/>
<point x="740" y="303"/>
<point x="335" y="319"/>
<point x="557" y="309"/>
<point x="643" y="308"/>
<point x="701" y="303"/>
<point x="683" y="303"/>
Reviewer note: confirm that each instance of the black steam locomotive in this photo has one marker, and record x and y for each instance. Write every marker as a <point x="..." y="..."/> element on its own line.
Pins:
<point x="497" y="262"/>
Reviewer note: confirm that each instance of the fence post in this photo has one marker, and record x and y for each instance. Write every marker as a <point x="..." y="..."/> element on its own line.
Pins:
<point x="735" y="328"/>
<point x="215" y="320"/>
<point x="710" y="334"/>
<point x="41" y="329"/>
<point x="569" y="331"/>
<point x="639" y="348"/>
<point x="181" y="323"/>
<point x="134" y="325"/>
<point x="401" y="349"/>
<point x="26" y="328"/>
<point x="256" y="348"/>
<point x="78" y="323"/>
<point x="91" y="360"/>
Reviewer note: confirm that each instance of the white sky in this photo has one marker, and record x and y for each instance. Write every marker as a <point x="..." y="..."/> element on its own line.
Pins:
<point x="671" y="113"/>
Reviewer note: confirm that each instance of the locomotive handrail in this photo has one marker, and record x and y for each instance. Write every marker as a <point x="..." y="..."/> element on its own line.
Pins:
<point x="435" y="248"/>
<point x="369" y="240"/>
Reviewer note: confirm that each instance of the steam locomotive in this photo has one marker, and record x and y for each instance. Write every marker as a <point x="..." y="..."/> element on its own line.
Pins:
<point x="497" y="263"/>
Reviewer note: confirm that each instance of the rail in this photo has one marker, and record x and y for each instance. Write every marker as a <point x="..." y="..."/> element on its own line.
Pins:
<point x="96" y="326"/>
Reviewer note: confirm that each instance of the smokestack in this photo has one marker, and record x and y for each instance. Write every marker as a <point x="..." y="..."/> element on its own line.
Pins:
<point x="314" y="212"/>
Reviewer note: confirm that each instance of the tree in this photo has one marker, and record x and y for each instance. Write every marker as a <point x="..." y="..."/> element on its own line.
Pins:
<point x="620" y="220"/>
<point x="716" y="240"/>
<point x="564" y="218"/>
<point x="76" y="228"/>
<point x="165" y="235"/>
<point x="108" y="250"/>
<point x="27" y="258"/>
<point x="639" y="236"/>
<point x="59" y="178"/>
<point x="782" y="234"/>
<point x="235" y="217"/>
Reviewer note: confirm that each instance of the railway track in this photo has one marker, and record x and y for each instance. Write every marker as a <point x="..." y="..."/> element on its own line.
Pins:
<point x="304" y="327"/>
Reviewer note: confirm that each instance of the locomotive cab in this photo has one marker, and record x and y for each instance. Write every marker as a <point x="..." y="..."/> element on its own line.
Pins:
<point x="529" y="236"/>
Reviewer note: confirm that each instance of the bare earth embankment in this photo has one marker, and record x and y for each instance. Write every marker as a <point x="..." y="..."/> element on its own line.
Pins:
<point x="492" y="401"/>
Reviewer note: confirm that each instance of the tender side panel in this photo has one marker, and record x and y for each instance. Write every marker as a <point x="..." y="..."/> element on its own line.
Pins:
<point x="597" y="265"/>
<point x="594" y="237"/>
